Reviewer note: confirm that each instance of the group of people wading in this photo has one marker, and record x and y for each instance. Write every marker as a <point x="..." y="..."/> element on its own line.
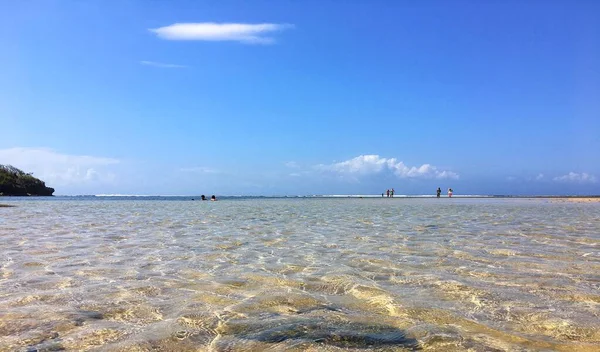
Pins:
<point x="213" y="198"/>
<point x="439" y="192"/>
<point x="390" y="193"/>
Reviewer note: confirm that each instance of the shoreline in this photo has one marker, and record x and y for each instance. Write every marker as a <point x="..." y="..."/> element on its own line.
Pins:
<point x="552" y="198"/>
<point x="576" y="200"/>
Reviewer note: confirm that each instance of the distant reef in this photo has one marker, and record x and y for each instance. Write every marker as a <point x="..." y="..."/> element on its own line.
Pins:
<point x="15" y="182"/>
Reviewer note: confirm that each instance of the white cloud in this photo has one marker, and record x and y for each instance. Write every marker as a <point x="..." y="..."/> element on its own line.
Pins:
<point x="199" y="170"/>
<point x="208" y="31"/>
<point x="292" y="165"/>
<point x="373" y="164"/>
<point x="161" y="65"/>
<point x="539" y="177"/>
<point x="575" y="177"/>
<point x="58" y="169"/>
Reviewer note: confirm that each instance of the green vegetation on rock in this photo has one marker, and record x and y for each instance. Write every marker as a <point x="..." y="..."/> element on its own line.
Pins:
<point x="15" y="182"/>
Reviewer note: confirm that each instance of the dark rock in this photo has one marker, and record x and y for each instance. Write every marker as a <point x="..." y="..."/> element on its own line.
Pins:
<point x="15" y="182"/>
<point x="353" y="335"/>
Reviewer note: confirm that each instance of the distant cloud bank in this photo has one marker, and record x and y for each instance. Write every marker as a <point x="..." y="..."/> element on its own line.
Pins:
<point x="58" y="169"/>
<point x="209" y="31"/>
<point x="161" y="64"/>
<point x="576" y="178"/>
<point x="373" y="164"/>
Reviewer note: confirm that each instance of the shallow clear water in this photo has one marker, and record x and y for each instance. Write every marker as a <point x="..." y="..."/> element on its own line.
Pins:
<point x="300" y="274"/>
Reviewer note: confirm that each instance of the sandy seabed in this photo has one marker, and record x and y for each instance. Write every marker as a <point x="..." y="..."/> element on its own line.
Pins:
<point x="578" y="199"/>
<point x="485" y="274"/>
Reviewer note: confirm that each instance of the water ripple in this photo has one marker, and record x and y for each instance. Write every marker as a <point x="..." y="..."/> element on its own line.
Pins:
<point x="300" y="274"/>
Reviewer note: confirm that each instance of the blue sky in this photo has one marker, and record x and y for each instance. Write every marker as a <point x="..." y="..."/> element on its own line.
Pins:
<point x="302" y="97"/>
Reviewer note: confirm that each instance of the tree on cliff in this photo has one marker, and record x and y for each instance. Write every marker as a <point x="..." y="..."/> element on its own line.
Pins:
<point x="15" y="182"/>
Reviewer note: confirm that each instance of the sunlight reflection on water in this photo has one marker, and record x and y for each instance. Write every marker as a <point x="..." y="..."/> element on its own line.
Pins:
<point x="300" y="274"/>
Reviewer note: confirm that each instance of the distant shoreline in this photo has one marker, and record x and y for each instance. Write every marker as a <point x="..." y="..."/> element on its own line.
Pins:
<point x="594" y="199"/>
<point x="327" y="196"/>
<point x="551" y="199"/>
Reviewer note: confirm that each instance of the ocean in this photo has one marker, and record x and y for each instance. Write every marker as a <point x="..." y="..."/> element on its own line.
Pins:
<point x="299" y="274"/>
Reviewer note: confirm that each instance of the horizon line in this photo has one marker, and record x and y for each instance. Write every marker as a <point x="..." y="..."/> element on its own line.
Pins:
<point x="340" y="196"/>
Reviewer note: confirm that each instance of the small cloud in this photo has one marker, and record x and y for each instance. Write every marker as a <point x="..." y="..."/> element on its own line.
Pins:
<point x="539" y="177"/>
<point x="511" y="178"/>
<point x="295" y="174"/>
<point x="161" y="65"/>
<point x="58" y="169"/>
<point x="209" y="31"/>
<point x="577" y="178"/>
<point x="292" y="165"/>
<point x="373" y="164"/>
<point x="446" y="174"/>
<point x="199" y="170"/>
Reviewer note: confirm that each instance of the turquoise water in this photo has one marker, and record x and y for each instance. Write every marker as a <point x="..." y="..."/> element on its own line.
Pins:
<point x="300" y="274"/>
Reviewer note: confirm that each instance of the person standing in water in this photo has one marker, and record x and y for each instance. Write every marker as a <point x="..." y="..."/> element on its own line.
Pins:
<point x="449" y="192"/>
<point x="438" y="192"/>
<point x="392" y="193"/>
<point x="388" y="193"/>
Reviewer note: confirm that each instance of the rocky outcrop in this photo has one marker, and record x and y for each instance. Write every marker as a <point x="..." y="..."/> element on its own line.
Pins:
<point x="14" y="182"/>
